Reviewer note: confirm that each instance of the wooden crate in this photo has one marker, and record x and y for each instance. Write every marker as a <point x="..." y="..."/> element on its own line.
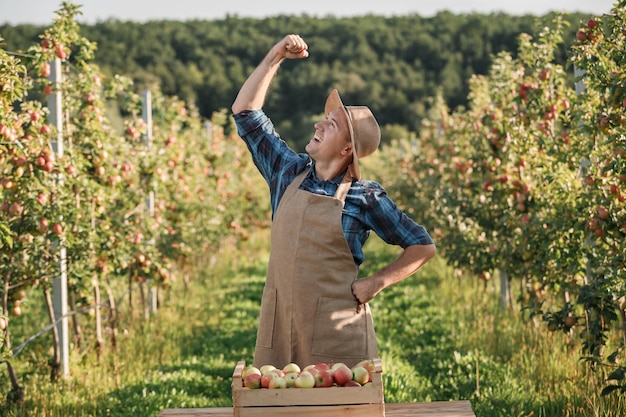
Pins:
<point x="366" y="401"/>
<point x="433" y="409"/>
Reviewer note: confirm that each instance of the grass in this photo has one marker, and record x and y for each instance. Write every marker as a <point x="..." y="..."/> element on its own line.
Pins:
<point x="441" y="337"/>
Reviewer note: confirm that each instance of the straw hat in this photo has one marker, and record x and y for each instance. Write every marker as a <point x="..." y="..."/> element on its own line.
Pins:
<point x="363" y="127"/>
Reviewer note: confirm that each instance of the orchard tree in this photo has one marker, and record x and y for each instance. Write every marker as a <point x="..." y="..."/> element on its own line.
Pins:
<point x="600" y="114"/>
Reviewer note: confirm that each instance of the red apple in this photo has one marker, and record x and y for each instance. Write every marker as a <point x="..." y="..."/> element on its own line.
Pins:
<point x="60" y="51"/>
<point x="45" y="70"/>
<point x="15" y="209"/>
<point x="324" y="379"/>
<point x="249" y="370"/>
<point x="252" y="381"/>
<point x="57" y="229"/>
<point x="603" y="213"/>
<point x="43" y="225"/>
<point x="341" y="373"/>
<point x="266" y="378"/>
<point x="322" y="366"/>
<point x="351" y="384"/>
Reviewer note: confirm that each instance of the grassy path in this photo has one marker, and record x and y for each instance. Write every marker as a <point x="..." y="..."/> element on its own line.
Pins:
<point x="441" y="337"/>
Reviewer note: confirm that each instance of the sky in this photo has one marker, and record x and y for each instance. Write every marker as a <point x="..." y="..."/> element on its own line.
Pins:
<point x="41" y="12"/>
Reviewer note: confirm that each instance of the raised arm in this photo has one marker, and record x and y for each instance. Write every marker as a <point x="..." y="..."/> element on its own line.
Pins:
<point x="254" y="90"/>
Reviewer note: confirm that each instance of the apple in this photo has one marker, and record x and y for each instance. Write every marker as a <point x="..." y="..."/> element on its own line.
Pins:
<point x="369" y="364"/>
<point x="60" y="51"/>
<point x="341" y="373"/>
<point x="351" y="384"/>
<point x="252" y="381"/>
<point x="322" y="366"/>
<point x="305" y="380"/>
<point x="312" y="369"/>
<point x="266" y="378"/>
<point x="249" y="370"/>
<point x="602" y="212"/>
<point x="324" y="379"/>
<point x="277" y="382"/>
<point x="43" y="225"/>
<point x="360" y="375"/>
<point x="291" y="368"/>
<point x="290" y="379"/>
<point x="15" y="209"/>
<point x="57" y="229"/>
<point x="266" y="369"/>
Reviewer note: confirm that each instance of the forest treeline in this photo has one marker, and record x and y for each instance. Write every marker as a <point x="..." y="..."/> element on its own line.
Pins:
<point x="395" y="65"/>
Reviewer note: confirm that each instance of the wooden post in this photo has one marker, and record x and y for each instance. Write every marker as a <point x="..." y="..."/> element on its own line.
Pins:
<point x="59" y="285"/>
<point x="146" y="114"/>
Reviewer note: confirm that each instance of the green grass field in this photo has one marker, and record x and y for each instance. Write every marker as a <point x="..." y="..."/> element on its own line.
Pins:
<point x="441" y="338"/>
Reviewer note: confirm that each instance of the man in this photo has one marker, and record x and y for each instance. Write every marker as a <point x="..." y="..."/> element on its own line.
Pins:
<point x="313" y="307"/>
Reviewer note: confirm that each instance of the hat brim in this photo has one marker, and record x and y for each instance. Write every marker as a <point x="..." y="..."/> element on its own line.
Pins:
<point x="333" y="102"/>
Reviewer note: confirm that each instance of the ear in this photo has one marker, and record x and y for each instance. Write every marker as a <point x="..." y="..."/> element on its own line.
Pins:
<point x="347" y="151"/>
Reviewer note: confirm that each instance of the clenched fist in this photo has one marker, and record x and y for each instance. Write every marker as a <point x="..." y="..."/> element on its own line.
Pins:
<point x="292" y="47"/>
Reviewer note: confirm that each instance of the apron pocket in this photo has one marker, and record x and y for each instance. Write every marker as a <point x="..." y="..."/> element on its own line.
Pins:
<point x="265" y="333"/>
<point x="339" y="331"/>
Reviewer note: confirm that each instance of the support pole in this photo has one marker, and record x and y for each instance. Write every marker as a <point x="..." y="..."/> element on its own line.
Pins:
<point x="146" y="114"/>
<point x="59" y="285"/>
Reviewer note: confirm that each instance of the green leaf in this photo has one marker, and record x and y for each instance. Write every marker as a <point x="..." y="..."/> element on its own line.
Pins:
<point x="609" y="389"/>
<point x="616" y="375"/>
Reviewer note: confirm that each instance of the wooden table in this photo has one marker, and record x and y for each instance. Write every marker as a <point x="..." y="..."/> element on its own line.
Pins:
<point x="432" y="409"/>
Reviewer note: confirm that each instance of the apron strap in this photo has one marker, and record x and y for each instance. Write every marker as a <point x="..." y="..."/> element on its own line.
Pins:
<point x="344" y="187"/>
<point x="340" y="194"/>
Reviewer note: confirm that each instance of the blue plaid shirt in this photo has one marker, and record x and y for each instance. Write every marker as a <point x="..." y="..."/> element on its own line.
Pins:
<point x="367" y="206"/>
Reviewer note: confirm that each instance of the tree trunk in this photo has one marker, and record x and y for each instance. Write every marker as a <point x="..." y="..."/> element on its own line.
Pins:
<point x="16" y="396"/>
<point x="112" y="317"/>
<point x="55" y="361"/>
<point x="99" y="338"/>
<point x="78" y="332"/>
<point x="506" y="293"/>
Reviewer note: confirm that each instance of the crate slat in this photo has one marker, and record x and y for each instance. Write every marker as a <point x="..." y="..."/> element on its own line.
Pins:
<point x="432" y="409"/>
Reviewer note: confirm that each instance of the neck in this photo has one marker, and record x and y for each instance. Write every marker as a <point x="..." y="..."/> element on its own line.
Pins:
<point x="327" y="172"/>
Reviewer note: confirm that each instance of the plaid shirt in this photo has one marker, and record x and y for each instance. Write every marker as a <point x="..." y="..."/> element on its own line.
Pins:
<point x="367" y="206"/>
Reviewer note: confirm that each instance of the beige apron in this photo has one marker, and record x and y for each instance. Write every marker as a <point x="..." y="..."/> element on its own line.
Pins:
<point x="308" y="312"/>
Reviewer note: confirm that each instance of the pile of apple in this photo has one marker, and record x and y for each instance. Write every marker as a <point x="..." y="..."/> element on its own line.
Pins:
<point x="320" y="375"/>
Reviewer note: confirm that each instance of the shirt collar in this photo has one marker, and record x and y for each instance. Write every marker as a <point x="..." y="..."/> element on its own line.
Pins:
<point x="335" y="181"/>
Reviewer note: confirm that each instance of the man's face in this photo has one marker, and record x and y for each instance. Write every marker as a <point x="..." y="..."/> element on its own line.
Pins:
<point x="332" y="138"/>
